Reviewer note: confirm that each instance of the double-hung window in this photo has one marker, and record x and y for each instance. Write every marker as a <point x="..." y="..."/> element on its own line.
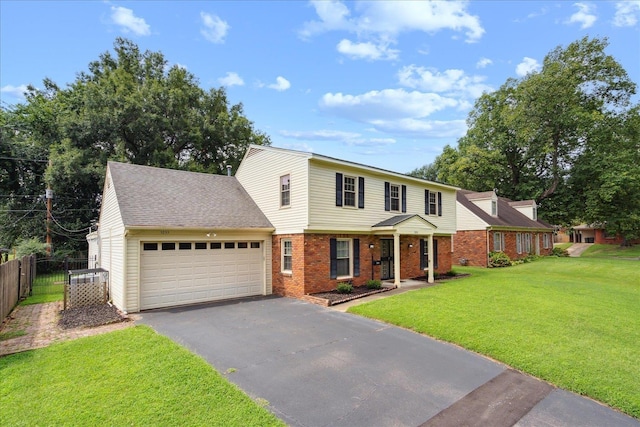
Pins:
<point x="527" y="243"/>
<point x="519" y="243"/>
<point x="349" y="189"/>
<point x="433" y="203"/>
<point x="498" y="241"/>
<point x="494" y="208"/>
<point x="394" y="194"/>
<point x="343" y="255"/>
<point x="546" y="240"/>
<point x="287" y="256"/>
<point x="285" y="190"/>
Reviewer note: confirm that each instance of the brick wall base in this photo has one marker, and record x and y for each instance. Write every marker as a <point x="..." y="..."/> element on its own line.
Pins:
<point x="311" y="261"/>
<point x="473" y="247"/>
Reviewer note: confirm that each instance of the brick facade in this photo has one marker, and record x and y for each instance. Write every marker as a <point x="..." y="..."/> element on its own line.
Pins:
<point x="474" y="246"/>
<point x="311" y="261"/>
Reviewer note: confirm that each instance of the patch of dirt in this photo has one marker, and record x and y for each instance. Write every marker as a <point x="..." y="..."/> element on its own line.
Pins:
<point x="334" y="297"/>
<point x="90" y="316"/>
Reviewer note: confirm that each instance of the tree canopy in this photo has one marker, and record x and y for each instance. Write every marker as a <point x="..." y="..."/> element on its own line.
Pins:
<point x="530" y="137"/>
<point x="129" y="106"/>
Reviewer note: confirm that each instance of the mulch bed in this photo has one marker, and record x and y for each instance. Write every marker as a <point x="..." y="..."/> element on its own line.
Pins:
<point x="90" y="316"/>
<point x="334" y="297"/>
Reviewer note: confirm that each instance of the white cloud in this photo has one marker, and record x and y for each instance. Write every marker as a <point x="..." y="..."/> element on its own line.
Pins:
<point x="583" y="16"/>
<point x="528" y="65"/>
<point x="231" y="79"/>
<point x="385" y="20"/>
<point x="366" y="50"/>
<point x="128" y="22"/>
<point x="483" y="63"/>
<point x="449" y="81"/>
<point x="349" y="138"/>
<point x="627" y="13"/>
<point x="14" y="91"/>
<point x="215" y="29"/>
<point x="387" y="104"/>
<point x="281" y="84"/>
<point x="423" y="128"/>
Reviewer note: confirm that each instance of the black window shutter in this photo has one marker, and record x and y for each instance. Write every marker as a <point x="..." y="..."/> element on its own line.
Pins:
<point x="404" y="199"/>
<point x="426" y="202"/>
<point x="422" y="243"/>
<point x="387" y="197"/>
<point x="435" y="254"/>
<point x="338" y="189"/>
<point x="333" y="254"/>
<point x="439" y="203"/>
<point x="356" y="257"/>
<point x="360" y="192"/>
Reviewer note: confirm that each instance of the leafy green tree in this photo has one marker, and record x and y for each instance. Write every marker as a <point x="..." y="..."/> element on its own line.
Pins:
<point x="128" y="106"/>
<point x="524" y="138"/>
<point x="607" y="177"/>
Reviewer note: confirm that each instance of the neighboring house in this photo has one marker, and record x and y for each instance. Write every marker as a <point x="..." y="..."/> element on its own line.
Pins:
<point x="170" y="237"/>
<point x="594" y="233"/>
<point x="341" y="221"/>
<point x="488" y="223"/>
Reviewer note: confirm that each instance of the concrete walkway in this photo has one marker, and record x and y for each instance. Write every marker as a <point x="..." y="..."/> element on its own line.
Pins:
<point x="577" y="249"/>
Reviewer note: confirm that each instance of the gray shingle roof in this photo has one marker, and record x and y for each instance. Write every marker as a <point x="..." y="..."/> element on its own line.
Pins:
<point x="507" y="215"/>
<point x="395" y="220"/>
<point x="156" y="197"/>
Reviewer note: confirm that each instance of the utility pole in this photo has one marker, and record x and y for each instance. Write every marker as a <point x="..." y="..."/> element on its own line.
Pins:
<point x="49" y="197"/>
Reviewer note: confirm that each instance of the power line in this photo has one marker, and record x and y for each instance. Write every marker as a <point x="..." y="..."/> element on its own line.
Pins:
<point x="84" y="230"/>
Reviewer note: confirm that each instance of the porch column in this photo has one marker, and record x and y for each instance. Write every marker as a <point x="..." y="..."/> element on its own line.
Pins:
<point x="430" y="260"/>
<point x="396" y="259"/>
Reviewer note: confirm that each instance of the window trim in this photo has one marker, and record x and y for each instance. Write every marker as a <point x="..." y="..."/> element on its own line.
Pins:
<point x="353" y="192"/>
<point x="283" y="191"/>
<point x="494" y="208"/>
<point x="398" y="197"/>
<point x="349" y="257"/>
<point x="546" y="240"/>
<point x="498" y="237"/>
<point x="283" y="255"/>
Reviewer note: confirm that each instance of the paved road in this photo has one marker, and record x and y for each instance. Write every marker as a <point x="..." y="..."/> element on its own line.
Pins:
<point x="320" y="367"/>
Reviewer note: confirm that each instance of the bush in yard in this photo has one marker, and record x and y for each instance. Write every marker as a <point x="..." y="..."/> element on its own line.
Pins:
<point x="374" y="284"/>
<point x="31" y="246"/>
<point x="499" y="259"/>
<point x="344" y="288"/>
<point x="556" y="251"/>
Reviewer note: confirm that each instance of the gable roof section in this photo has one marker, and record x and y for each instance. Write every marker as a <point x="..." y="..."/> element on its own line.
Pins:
<point x="155" y="197"/>
<point x="319" y="157"/>
<point x="507" y="215"/>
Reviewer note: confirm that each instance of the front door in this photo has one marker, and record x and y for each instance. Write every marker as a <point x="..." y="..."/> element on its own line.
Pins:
<point x="386" y="259"/>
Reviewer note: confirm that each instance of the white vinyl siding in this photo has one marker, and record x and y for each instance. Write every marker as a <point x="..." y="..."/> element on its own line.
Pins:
<point x="111" y="242"/>
<point x="325" y="215"/>
<point x="467" y="220"/>
<point x="260" y="172"/>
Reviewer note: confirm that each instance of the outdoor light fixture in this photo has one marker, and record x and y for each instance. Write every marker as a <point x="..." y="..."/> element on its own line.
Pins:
<point x="410" y="245"/>
<point x="371" y="245"/>
<point x="209" y="234"/>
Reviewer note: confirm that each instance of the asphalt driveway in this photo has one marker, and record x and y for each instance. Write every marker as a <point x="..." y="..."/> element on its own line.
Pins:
<point x="320" y="367"/>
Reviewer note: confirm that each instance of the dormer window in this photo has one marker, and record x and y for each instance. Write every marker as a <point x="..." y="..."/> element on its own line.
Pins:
<point x="494" y="208"/>
<point x="535" y="213"/>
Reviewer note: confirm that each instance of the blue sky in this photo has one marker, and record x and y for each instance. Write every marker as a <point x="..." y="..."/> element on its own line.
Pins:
<point x="387" y="84"/>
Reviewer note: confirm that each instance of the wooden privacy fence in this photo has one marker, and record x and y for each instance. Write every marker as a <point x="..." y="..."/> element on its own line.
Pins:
<point x="16" y="277"/>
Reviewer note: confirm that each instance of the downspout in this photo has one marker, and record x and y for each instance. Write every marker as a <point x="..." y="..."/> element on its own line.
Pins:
<point x="487" y="251"/>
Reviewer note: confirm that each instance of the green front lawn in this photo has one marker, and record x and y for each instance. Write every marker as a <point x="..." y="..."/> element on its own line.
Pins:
<point x="129" y="377"/>
<point x="612" y="251"/>
<point x="562" y="245"/>
<point x="46" y="288"/>
<point x="574" y="322"/>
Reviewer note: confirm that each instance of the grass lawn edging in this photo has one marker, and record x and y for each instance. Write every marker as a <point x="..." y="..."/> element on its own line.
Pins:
<point x="570" y="321"/>
<point x="129" y="377"/>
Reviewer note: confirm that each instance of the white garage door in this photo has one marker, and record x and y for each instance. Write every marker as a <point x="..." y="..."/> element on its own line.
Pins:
<point x="177" y="273"/>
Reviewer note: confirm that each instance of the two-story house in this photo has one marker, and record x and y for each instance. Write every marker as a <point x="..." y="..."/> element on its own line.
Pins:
<point x="339" y="221"/>
<point x="488" y="223"/>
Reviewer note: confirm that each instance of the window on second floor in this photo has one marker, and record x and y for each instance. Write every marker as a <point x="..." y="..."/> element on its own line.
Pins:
<point x="432" y="202"/>
<point x="285" y="190"/>
<point x="494" y="208"/>
<point x="394" y="194"/>
<point x="349" y="191"/>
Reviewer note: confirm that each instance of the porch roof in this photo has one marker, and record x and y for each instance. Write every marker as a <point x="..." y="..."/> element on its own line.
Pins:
<point x="405" y="224"/>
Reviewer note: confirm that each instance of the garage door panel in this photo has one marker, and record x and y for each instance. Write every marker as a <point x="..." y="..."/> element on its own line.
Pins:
<point x="175" y="277"/>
